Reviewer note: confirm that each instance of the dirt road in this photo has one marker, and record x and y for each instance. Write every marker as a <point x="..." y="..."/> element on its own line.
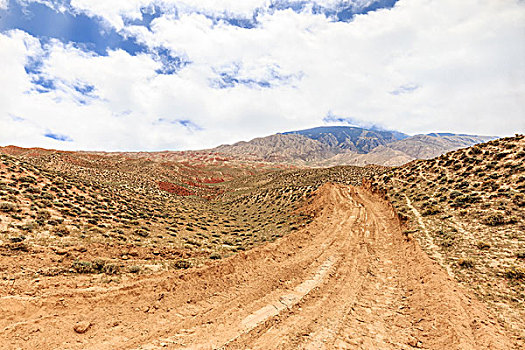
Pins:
<point x="349" y="280"/>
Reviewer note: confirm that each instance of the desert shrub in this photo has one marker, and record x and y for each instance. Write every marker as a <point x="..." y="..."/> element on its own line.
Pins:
<point x="27" y="179"/>
<point x="495" y="219"/>
<point x="29" y="226"/>
<point x="519" y="200"/>
<point x="482" y="245"/>
<point x="454" y="194"/>
<point x="8" y="207"/>
<point x="463" y="184"/>
<point x="515" y="273"/>
<point x="47" y="195"/>
<point x="431" y="210"/>
<point x="82" y="266"/>
<point x="466" y="262"/>
<point x="463" y="201"/>
<point x="182" y="264"/>
<point x="141" y="232"/>
<point x="475" y="150"/>
<point x="42" y="215"/>
<point x="448" y="240"/>
<point x="95" y="266"/>
<point x="215" y="256"/>
<point x="98" y="265"/>
<point x="134" y="269"/>
<point x="501" y="155"/>
<point x="55" y="221"/>
<point x="111" y="269"/>
<point x="61" y="230"/>
<point x="17" y="239"/>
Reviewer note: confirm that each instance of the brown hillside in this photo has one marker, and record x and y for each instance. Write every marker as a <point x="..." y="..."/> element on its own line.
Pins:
<point x="201" y="250"/>
<point x="467" y="209"/>
<point x="366" y="148"/>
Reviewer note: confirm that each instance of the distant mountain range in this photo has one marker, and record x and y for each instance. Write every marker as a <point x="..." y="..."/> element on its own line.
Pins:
<point x="338" y="145"/>
<point x="317" y="147"/>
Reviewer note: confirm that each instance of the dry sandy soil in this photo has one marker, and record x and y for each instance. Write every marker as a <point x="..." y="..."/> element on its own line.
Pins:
<point x="349" y="280"/>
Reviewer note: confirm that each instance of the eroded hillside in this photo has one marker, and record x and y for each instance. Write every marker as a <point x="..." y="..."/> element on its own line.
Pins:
<point x="467" y="210"/>
<point x="345" y="145"/>
<point x="150" y="251"/>
<point x="85" y="213"/>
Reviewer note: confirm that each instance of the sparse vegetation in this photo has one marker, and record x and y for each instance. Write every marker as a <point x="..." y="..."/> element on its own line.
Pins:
<point x="466" y="263"/>
<point x="182" y="264"/>
<point x="480" y="194"/>
<point x="515" y="273"/>
<point x="100" y="215"/>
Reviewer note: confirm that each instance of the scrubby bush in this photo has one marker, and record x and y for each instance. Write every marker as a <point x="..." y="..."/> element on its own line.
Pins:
<point x="475" y="150"/>
<point x="182" y="264"/>
<point x="98" y="264"/>
<point x="482" y="245"/>
<point x="134" y="269"/>
<point x="466" y="262"/>
<point x="515" y="273"/>
<point x="82" y="266"/>
<point x="215" y="256"/>
<point x="95" y="266"/>
<point x="431" y="210"/>
<point x="111" y="269"/>
<point x="519" y="200"/>
<point x="61" y="230"/>
<point x="27" y="179"/>
<point x="8" y="207"/>
<point x="141" y="232"/>
<point x="495" y="219"/>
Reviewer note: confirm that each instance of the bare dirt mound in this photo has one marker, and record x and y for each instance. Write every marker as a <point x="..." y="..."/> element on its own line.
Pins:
<point x="349" y="280"/>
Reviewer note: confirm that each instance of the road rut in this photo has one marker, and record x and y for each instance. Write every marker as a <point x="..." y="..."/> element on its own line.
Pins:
<point x="348" y="280"/>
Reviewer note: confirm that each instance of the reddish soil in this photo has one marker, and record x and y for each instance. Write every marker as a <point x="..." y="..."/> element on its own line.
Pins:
<point x="349" y="280"/>
<point x="175" y="189"/>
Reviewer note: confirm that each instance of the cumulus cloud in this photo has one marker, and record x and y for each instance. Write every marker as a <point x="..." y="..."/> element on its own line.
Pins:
<point x="421" y="66"/>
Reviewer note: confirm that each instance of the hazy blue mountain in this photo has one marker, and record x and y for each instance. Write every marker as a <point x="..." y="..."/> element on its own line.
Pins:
<point x="338" y="145"/>
<point x="351" y="138"/>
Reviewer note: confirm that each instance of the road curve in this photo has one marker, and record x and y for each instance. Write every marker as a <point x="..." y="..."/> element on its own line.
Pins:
<point x="349" y="280"/>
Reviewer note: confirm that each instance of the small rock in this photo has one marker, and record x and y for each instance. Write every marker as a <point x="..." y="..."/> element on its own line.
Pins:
<point x="82" y="327"/>
<point x="156" y="252"/>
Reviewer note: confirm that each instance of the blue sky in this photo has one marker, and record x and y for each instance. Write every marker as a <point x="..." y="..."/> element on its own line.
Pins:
<point x="189" y="74"/>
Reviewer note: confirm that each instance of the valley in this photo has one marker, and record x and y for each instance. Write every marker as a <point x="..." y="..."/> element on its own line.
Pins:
<point x="209" y="249"/>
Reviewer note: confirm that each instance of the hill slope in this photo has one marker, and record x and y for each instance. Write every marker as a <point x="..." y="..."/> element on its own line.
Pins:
<point x="280" y="148"/>
<point x="348" y="280"/>
<point x="467" y="209"/>
<point x="101" y="247"/>
<point x="414" y="147"/>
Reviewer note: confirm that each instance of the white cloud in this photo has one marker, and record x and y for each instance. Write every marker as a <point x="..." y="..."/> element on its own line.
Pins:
<point x="243" y="8"/>
<point x="115" y="11"/>
<point x="458" y="66"/>
<point x="3" y="4"/>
